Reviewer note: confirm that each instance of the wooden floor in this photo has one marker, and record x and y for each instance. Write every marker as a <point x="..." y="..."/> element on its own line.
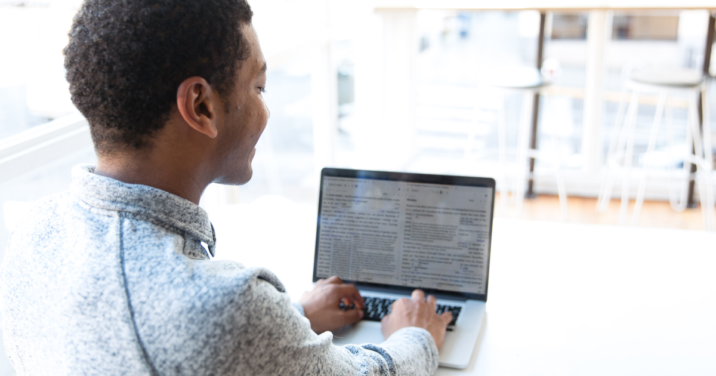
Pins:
<point x="584" y="210"/>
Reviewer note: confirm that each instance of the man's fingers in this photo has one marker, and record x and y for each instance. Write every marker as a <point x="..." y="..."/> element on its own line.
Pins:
<point x="346" y="291"/>
<point x="334" y="279"/>
<point x="418" y="295"/>
<point x="446" y="317"/>
<point x="432" y="302"/>
<point x="384" y="319"/>
<point x="352" y="316"/>
<point x="401" y="301"/>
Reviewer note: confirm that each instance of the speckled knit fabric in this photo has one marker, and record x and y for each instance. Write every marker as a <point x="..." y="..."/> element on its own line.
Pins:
<point x="113" y="279"/>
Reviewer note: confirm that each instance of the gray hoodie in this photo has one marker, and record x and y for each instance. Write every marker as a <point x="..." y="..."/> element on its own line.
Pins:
<point x="116" y="279"/>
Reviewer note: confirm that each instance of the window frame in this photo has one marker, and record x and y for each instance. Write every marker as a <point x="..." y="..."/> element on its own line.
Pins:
<point x="38" y="146"/>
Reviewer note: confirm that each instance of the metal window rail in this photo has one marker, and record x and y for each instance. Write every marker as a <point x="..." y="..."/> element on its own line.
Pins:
<point x="43" y="144"/>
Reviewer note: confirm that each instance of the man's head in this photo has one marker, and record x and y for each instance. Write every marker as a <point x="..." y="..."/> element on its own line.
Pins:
<point x="168" y="74"/>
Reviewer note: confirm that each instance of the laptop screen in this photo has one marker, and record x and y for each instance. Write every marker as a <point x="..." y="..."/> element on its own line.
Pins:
<point x="405" y="230"/>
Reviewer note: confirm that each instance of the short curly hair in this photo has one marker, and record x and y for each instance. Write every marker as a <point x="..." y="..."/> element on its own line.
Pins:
<point x="126" y="59"/>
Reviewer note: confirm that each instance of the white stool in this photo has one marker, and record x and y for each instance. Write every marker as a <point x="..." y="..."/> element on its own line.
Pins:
<point x="528" y="82"/>
<point x="621" y="148"/>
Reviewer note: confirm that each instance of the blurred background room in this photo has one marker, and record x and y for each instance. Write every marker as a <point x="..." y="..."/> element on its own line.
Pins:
<point x="448" y="89"/>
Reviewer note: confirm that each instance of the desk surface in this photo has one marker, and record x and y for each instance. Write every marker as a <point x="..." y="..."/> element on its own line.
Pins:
<point x="547" y="5"/>
<point x="564" y="299"/>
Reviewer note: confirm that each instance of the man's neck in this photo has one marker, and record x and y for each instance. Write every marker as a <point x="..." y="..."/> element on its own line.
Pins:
<point x="176" y="175"/>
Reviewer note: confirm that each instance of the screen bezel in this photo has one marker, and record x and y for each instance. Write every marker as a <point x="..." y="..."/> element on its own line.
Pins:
<point x="412" y="178"/>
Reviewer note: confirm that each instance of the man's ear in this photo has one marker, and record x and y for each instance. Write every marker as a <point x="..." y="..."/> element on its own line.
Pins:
<point x="197" y="104"/>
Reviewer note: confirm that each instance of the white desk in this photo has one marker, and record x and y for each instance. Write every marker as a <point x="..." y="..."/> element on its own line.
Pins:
<point x="563" y="299"/>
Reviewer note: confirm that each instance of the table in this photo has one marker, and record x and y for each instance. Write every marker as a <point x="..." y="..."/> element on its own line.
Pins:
<point x="563" y="299"/>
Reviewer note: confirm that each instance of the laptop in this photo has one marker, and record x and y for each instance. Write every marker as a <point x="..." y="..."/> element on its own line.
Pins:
<point x="390" y="233"/>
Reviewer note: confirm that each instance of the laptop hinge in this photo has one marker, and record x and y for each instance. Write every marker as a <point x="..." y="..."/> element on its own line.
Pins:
<point x="393" y="291"/>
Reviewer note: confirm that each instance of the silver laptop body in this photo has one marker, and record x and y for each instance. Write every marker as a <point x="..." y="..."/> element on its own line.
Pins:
<point x="390" y="233"/>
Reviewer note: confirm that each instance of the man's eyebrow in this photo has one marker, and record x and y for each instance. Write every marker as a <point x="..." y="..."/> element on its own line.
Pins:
<point x="263" y="69"/>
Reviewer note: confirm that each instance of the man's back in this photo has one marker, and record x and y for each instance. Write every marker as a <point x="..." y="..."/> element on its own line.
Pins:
<point x="63" y="293"/>
<point x="113" y="278"/>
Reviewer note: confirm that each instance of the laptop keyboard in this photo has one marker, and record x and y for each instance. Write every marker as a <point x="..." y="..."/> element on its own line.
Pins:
<point x="376" y="308"/>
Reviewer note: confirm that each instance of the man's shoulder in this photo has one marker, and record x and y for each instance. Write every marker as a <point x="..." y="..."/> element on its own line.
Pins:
<point x="45" y="207"/>
<point x="37" y="219"/>
<point x="54" y="219"/>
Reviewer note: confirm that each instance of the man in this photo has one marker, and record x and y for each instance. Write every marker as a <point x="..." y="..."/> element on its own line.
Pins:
<point x="114" y="277"/>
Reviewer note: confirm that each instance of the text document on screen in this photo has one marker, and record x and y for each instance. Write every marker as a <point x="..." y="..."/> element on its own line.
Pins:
<point x="408" y="234"/>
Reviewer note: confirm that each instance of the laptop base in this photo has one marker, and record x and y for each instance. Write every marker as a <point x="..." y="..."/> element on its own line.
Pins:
<point x="458" y="345"/>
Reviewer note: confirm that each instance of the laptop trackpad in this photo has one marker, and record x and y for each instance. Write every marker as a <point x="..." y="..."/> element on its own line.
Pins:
<point x="362" y="332"/>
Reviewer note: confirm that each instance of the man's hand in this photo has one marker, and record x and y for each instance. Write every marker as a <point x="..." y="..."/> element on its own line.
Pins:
<point x="417" y="311"/>
<point x="322" y="304"/>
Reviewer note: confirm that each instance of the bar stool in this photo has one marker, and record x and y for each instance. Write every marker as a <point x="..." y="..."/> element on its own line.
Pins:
<point x="621" y="148"/>
<point x="528" y="82"/>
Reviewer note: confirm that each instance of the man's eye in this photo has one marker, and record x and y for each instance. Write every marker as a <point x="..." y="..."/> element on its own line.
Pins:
<point x="262" y="89"/>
